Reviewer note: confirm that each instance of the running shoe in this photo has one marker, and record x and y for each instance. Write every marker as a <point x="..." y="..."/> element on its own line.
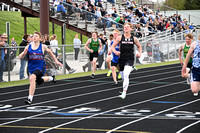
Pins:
<point x="109" y="73"/>
<point x="92" y="76"/>
<point x="28" y="101"/>
<point x="119" y="76"/>
<point x="134" y="68"/>
<point x="115" y="82"/>
<point x="195" y="94"/>
<point x="71" y="71"/>
<point x="122" y="96"/>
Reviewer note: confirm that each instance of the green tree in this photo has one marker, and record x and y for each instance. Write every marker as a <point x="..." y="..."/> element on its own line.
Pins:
<point x="177" y="4"/>
<point x="192" y="4"/>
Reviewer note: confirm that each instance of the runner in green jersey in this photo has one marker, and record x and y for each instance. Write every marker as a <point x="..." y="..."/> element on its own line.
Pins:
<point x="94" y="46"/>
<point x="185" y="48"/>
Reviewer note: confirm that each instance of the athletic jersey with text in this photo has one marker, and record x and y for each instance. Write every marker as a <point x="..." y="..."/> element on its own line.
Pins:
<point x="185" y="51"/>
<point x="114" y="56"/>
<point x="196" y="56"/>
<point x="36" y="59"/>
<point x="94" y="45"/>
<point x="127" y="48"/>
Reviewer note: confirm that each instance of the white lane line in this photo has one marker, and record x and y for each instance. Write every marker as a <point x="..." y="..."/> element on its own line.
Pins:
<point x="188" y="126"/>
<point x="64" y="124"/>
<point x="72" y="89"/>
<point x="94" y="92"/>
<point x="108" y="117"/>
<point x="83" y="104"/>
<point x="175" y="107"/>
<point x="6" y="93"/>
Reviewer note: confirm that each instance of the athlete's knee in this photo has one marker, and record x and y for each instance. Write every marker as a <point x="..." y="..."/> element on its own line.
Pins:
<point x="32" y="78"/>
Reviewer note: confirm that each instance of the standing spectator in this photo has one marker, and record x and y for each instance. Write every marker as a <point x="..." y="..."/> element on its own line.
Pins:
<point x="61" y="9"/>
<point x="14" y="45"/>
<point x="54" y="44"/>
<point x="25" y="41"/>
<point x="101" y="54"/>
<point x="2" y="55"/>
<point x="77" y="44"/>
<point x="46" y="40"/>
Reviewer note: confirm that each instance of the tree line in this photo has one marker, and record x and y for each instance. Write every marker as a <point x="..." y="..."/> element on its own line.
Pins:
<point x="183" y="4"/>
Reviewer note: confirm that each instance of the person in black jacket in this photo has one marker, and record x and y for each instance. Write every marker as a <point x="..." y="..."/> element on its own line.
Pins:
<point x="25" y="41"/>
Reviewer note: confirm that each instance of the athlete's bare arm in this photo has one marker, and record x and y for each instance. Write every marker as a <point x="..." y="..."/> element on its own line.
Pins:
<point x="86" y="45"/>
<point x="115" y="44"/>
<point x="45" y="48"/>
<point x="190" y="52"/>
<point x="21" y="56"/>
<point x="137" y="43"/>
<point x="180" y="54"/>
<point x="100" y="46"/>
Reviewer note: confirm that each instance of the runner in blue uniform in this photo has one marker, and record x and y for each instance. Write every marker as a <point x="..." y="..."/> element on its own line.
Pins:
<point x="126" y="55"/>
<point x="114" y="61"/>
<point x="195" y="74"/>
<point x="36" y="65"/>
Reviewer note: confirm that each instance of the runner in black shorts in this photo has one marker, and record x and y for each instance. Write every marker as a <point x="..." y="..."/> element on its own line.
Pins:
<point x="126" y="54"/>
<point x="94" y="48"/>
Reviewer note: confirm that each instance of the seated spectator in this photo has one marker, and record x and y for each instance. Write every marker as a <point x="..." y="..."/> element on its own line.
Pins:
<point x="61" y="9"/>
<point x="100" y="23"/>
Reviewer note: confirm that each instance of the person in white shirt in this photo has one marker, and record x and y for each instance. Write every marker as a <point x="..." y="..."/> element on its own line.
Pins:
<point x="54" y="44"/>
<point x="77" y="44"/>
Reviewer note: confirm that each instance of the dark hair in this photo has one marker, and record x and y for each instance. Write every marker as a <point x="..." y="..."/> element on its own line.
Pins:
<point x="25" y="36"/>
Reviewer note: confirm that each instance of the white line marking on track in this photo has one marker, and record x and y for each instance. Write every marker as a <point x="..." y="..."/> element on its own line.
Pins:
<point x="152" y="115"/>
<point x="85" y="103"/>
<point x="100" y="84"/>
<point x="188" y="126"/>
<point x="112" y="110"/>
<point x="74" y="96"/>
<point x="80" y="81"/>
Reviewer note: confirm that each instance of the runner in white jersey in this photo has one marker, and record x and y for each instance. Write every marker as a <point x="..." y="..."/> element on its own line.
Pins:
<point x="195" y="74"/>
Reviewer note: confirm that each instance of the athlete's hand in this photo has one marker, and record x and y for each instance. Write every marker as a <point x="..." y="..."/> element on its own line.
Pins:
<point x="117" y="53"/>
<point x="181" y="63"/>
<point x="60" y="64"/>
<point x="138" y="55"/>
<point x="91" y="51"/>
<point x="183" y="71"/>
<point x="109" y="52"/>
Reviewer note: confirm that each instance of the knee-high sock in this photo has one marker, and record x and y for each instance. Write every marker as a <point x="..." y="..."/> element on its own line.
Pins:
<point x="127" y="71"/>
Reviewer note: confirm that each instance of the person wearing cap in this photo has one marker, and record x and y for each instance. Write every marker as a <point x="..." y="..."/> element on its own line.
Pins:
<point x="126" y="54"/>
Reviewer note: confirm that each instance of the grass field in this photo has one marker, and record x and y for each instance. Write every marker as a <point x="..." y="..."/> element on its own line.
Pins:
<point x="33" y="24"/>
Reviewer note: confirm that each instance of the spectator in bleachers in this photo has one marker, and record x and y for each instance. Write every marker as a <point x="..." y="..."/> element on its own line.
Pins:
<point x="142" y="20"/>
<point x="168" y="24"/>
<point x="110" y="21"/>
<point x="134" y="19"/>
<point x="100" y="4"/>
<point x="99" y="23"/>
<point x="191" y="27"/>
<point x="61" y="9"/>
<point x="138" y="31"/>
<point x="156" y="23"/>
<point x="111" y="11"/>
<point x="98" y="12"/>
